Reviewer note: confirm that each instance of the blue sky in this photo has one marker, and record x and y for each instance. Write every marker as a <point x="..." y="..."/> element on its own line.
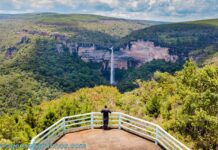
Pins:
<point x="162" y="10"/>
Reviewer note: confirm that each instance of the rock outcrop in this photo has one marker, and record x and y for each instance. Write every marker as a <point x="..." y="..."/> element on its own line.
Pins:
<point x="133" y="55"/>
<point x="10" y="51"/>
<point x="138" y="53"/>
<point x="145" y="51"/>
<point x="23" y="40"/>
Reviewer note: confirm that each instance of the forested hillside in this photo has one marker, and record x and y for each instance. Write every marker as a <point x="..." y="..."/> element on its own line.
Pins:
<point x="195" y="40"/>
<point x="144" y="72"/>
<point x="37" y="61"/>
<point x="38" y="72"/>
<point x="180" y="38"/>
<point x="185" y="104"/>
<point x="34" y="64"/>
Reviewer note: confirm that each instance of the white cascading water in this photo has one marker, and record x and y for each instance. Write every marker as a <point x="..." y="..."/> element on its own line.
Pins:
<point x="112" y="67"/>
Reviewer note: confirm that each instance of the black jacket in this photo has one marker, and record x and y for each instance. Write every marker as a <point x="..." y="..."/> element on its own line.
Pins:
<point x="105" y="113"/>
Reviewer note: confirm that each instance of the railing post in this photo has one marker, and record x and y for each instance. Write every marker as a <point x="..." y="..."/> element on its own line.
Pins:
<point x="32" y="145"/>
<point x="119" y="121"/>
<point x="63" y="125"/>
<point x="156" y="133"/>
<point x="92" y="120"/>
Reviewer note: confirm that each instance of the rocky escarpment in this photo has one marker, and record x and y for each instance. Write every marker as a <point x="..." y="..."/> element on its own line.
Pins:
<point x="12" y="49"/>
<point x="133" y="55"/>
<point x="145" y="51"/>
<point x="138" y="53"/>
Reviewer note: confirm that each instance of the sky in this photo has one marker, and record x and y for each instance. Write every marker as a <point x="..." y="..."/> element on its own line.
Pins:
<point x="158" y="10"/>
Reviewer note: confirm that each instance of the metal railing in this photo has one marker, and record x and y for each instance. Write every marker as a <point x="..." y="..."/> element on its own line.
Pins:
<point x="118" y="120"/>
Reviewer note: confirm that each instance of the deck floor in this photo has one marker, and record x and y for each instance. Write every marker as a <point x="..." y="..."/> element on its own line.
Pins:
<point x="114" y="139"/>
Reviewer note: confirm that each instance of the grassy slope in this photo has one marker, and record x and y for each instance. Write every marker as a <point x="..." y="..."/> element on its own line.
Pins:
<point x="112" y="26"/>
<point x="54" y="22"/>
<point x="212" y="22"/>
<point x="71" y="25"/>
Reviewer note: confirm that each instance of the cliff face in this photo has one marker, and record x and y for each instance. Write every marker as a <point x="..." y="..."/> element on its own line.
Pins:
<point x="138" y="53"/>
<point x="134" y="55"/>
<point x="145" y="51"/>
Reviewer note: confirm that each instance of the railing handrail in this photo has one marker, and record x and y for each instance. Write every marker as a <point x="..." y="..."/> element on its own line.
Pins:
<point x="67" y="117"/>
<point x="140" y="120"/>
<point x="168" y="139"/>
<point x="47" y="129"/>
<point x="160" y="128"/>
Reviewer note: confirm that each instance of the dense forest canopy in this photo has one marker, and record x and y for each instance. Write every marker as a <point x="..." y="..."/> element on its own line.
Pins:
<point x="185" y="104"/>
<point x="28" y="51"/>
<point x="39" y="72"/>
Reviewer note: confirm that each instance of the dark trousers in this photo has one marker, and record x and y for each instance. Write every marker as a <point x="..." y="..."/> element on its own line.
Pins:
<point x="105" y="122"/>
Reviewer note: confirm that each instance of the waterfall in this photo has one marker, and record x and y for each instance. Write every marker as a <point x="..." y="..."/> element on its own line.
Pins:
<point x="112" y="67"/>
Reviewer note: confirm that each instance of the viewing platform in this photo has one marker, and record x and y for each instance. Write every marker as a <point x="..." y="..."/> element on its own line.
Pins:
<point x="113" y="139"/>
<point x="126" y="133"/>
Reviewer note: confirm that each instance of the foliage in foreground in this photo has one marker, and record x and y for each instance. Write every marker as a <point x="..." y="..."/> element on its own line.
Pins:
<point x="39" y="72"/>
<point x="185" y="104"/>
<point x="19" y="87"/>
<point x="144" y="72"/>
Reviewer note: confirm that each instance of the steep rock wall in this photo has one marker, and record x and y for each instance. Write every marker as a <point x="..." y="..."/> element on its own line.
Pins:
<point x="138" y="53"/>
<point x="133" y="55"/>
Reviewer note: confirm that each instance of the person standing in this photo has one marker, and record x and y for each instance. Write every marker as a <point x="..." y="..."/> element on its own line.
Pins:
<point x="105" y="113"/>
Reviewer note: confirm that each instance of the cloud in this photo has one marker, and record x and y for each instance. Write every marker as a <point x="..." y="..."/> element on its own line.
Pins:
<point x="165" y="10"/>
